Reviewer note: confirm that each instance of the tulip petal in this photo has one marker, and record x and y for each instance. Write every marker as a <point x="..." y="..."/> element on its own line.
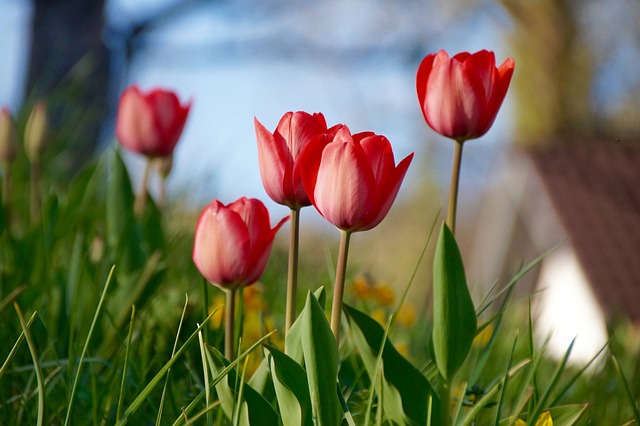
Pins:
<point x="135" y="127"/>
<point x="274" y="160"/>
<point x="379" y="156"/>
<point x="388" y="191"/>
<point x="424" y="70"/>
<point x="254" y="215"/>
<point x="302" y="129"/>
<point x="308" y="164"/>
<point x="455" y="100"/>
<point x="260" y="252"/>
<point x="345" y="186"/>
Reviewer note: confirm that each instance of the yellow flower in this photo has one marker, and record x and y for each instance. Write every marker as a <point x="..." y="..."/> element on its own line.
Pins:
<point x="216" y="320"/>
<point x="361" y="288"/>
<point x="384" y="295"/>
<point x="380" y="315"/>
<point x="253" y="300"/>
<point x="407" y="315"/>
<point x="403" y="348"/>
<point x="543" y="420"/>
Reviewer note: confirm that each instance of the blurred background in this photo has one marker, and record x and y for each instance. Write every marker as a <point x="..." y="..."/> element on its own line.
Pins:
<point x="577" y="81"/>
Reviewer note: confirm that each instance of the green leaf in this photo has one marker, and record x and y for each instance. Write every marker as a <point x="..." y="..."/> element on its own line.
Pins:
<point x="406" y="391"/>
<point x="254" y="408"/>
<point x="321" y="362"/>
<point x="262" y="382"/>
<point x="454" y="316"/>
<point x="293" y="340"/>
<point x="120" y="218"/>
<point x="292" y="389"/>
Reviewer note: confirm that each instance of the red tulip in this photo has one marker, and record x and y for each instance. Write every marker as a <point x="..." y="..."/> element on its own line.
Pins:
<point x="460" y="96"/>
<point x="278" y="155"/>
<point x="233" y="242"/>
<point x="352" y="180"/>
<point x="150" y="123"/>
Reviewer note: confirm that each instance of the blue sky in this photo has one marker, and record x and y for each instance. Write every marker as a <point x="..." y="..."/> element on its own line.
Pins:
<point x="348" y="59"/>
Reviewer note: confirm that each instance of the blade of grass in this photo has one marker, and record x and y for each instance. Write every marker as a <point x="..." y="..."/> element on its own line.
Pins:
<point x="86" y="346"/>
<point x="205" y="372"/>
<point x="192" y="420"/>
<point x="505" y="380"/>
<point x="347" y="412"/>
<point x="575" y="378"/>
<point x="15" y="347"/>
<point x="484" y="356"/>
<point x="554" y="381"/>
<point x="173" y="352"/>
<point x="220" y="376"/>
<point x="126" y="362"/>
<point x="160" y="374"/>
<point x="36" y="366"/>
<point x="236" y="416"/>
<point x="517" y="277"/>
<point x="11" y="297"/>
<point x="532" y="355"/>
<point x="372" y="390"/>
<point x="627" y="389"/>
<point x="458" y="408"/>
<point x="493" y="389"/>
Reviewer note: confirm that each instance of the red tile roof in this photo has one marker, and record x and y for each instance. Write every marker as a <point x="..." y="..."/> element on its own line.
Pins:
<point x="595" y="188"/>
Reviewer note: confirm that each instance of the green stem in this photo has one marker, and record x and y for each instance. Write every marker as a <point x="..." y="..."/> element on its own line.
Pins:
<point x="453" y="187"/>
<point x="6" y="190"/>
<point x="35" y="192"/>
<point x="205" y="307"/>
<point x="141" y="196"/>
<point x="338" y="287"/>
<point x="292" y="276"/>
<point x="229" y="324"/>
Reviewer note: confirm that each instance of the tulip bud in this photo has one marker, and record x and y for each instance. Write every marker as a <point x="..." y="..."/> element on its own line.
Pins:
<point x="7" y="137"/>
<point x="35" y="134"/>
<point x="233" y="242"/>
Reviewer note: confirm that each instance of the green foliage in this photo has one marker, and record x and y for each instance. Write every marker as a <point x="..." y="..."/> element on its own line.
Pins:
<point x="406" y="391"/>
<point x="81" y="351"/>
<point x="321" y="363"/>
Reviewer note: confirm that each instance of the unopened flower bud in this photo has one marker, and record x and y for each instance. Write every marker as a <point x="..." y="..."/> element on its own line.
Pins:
<point x="7" y="136"/>
<point x="36" y="132"/>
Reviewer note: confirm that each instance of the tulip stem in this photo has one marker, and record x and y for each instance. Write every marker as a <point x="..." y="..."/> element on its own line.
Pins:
<point x="229" y="324"/>
<point x="292" y="276"/>
<point x="141" y="196"/>
<point x="35" y="192"/>
<point x="162" y="199"/>
<point x="338" y="287"/>
<point x="453" y="187"/>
